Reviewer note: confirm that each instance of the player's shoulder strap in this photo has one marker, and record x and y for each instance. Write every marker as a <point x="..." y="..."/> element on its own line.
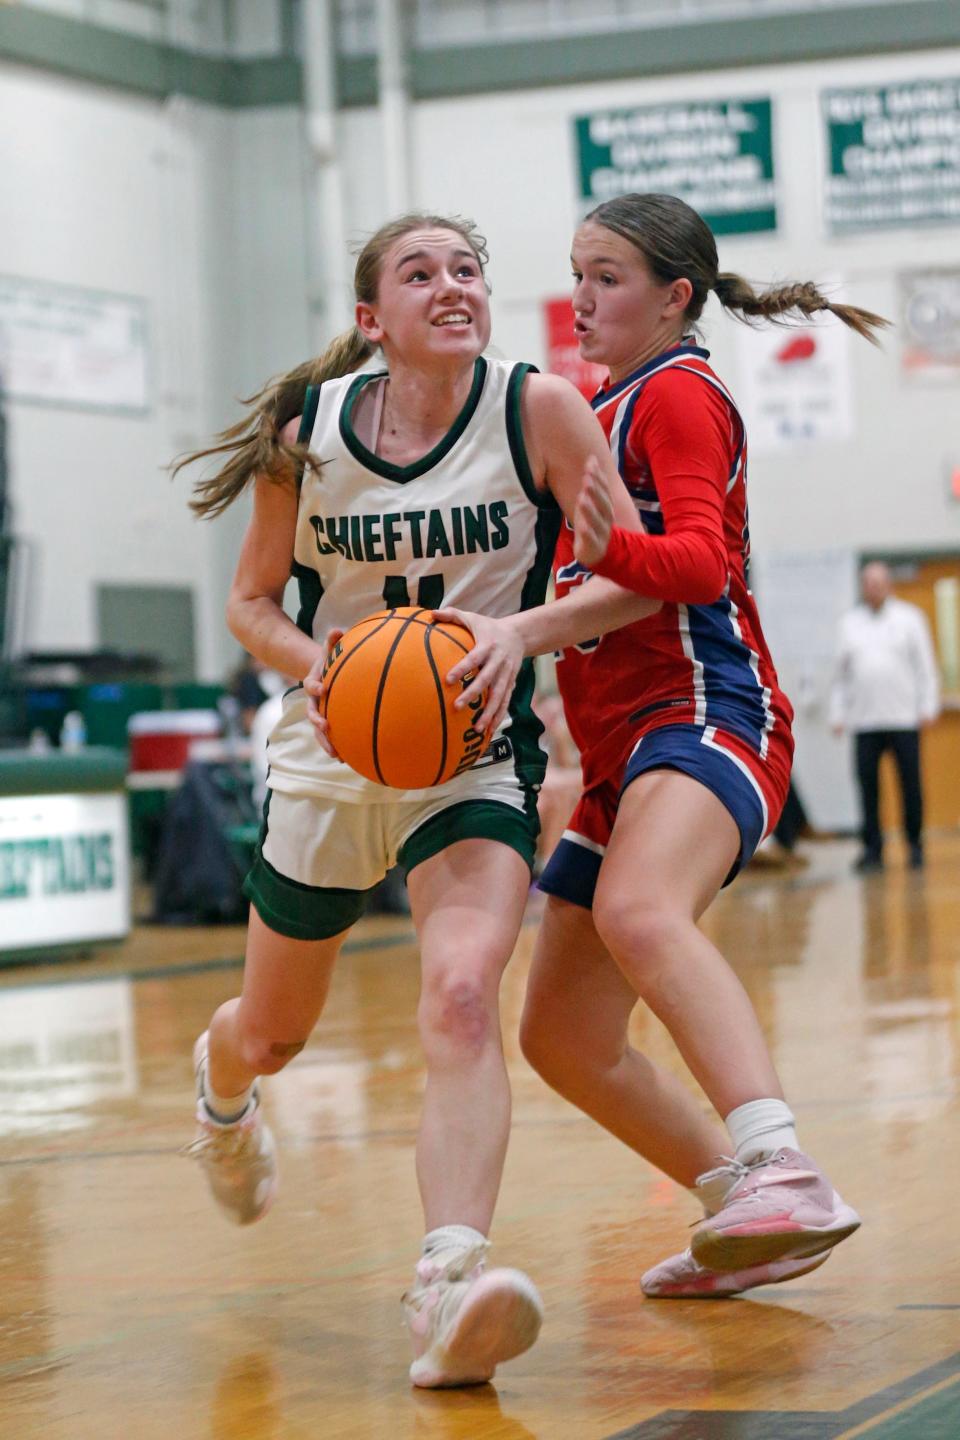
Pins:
<point x="543" y="499"/>
<point x="309" y="416"/>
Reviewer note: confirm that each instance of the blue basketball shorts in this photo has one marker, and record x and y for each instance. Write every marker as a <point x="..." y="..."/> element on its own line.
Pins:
<point x="752" y="788"/>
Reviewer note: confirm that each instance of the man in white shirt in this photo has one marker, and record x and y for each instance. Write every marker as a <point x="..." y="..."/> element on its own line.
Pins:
<point x="885" y="688"/>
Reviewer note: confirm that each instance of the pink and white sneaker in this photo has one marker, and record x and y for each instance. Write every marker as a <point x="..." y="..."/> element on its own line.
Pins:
<point x="681" y="1278"/>
<point x="464" y="1321"/>
<point x="240" y="1159"/>
<point x="780" y="1207"/>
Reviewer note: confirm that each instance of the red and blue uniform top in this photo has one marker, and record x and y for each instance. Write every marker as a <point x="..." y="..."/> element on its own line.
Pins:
<point x="680" y="445"/>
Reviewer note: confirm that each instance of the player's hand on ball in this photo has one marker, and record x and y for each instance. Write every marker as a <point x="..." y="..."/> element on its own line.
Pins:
<point x="390" y="715"/>
<point x="593" y="517"/>
<point x="495" y="661"/>
<point x="313" y="685"/>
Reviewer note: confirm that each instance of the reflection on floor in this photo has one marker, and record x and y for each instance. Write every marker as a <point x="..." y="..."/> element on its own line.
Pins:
<point x="129" y="1308"/>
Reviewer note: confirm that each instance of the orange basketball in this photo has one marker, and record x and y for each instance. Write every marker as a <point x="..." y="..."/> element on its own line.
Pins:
<point x="390" y="713"/>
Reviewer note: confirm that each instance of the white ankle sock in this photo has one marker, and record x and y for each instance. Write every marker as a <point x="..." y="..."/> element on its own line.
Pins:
<point x="710" y="1194"/>
<point x="225" y="1109"/>
<point x="760" y="1128"/>
<point x="452" y="1237"/>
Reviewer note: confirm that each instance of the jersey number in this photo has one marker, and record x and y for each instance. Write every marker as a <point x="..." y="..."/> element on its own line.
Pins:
<point x="396" y="595"/>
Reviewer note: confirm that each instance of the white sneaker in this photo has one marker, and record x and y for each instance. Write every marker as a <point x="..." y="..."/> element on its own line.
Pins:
<point x="240" y="1158"/>
<point x="465" y="1321"/>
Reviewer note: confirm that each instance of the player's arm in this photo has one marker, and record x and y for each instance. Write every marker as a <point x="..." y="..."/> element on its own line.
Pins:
<point x="564" y="444"/>
<point x="255" y="612"/>
<point x="685" y="428"/>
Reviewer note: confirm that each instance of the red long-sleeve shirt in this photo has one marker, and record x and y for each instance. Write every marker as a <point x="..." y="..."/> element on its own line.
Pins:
<point x="680" y="445"/>
<point x="685" y="430"/>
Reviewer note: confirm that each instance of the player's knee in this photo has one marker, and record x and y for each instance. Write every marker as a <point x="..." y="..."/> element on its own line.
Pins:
<point x="646" y="932"/>
<point x="457" y="1013"/>
<point x="266" y="1055"/>
<point x="567" y="1051"/>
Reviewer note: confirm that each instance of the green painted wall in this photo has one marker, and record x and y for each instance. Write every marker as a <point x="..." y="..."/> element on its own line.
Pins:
<point x="108" y="57"/>
<point x="147" y="67"/>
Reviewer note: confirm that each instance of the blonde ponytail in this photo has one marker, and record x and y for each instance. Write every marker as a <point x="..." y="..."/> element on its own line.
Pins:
<point x="254" y="446"/>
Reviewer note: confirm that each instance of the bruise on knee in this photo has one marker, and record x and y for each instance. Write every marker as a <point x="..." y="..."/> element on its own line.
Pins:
<point x="459" y="1015"/>
<point x="280" y="1051"/>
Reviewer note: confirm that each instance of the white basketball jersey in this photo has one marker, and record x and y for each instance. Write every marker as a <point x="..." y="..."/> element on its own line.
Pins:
<point x="464" y="525"/>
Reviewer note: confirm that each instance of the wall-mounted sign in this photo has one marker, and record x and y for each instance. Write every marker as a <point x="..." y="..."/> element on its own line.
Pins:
<point x="64" y="869"/>
<point x="930" y="324"/>
<point x="893" y="155"/>
<point x="795" y="386"/>
<point x="66" y="346"/>
<point x="563" y="352"/>
<point x="715" y="154"/>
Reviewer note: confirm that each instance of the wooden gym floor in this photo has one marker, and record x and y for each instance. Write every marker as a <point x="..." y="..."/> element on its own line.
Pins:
<point x="130" y="1308"/>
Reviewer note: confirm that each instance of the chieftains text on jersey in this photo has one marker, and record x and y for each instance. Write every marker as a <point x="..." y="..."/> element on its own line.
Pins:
<point x="463" y="530"/>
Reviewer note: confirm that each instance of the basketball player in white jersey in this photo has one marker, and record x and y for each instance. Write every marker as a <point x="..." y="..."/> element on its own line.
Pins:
<point x="441" y="480"/>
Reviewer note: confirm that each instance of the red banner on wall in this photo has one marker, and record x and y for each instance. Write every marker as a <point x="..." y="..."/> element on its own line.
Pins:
<point x="563" y="354"/>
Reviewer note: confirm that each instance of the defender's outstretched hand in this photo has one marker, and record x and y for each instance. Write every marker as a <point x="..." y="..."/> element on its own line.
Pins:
<point x="593" y="517"/>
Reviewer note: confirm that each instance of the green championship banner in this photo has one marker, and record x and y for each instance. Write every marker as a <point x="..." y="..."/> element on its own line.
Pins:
<point x="893" y="155"/>
<point x="716" y="154"/>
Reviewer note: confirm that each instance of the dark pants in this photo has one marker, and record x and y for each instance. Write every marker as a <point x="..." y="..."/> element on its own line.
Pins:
<point x="793" y="819"/>
<point x="870" y="745"/>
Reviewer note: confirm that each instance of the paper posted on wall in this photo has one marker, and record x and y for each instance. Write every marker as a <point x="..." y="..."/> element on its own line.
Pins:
<point x="795" y="386"/>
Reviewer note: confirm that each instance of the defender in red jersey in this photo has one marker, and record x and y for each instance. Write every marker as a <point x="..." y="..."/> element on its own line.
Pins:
<point x="680" y="443"/>
<point x="686" y="752"/>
